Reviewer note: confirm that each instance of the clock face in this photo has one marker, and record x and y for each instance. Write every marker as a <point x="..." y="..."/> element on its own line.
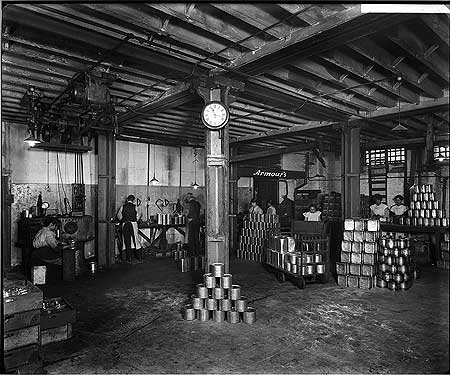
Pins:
<point x="215" y="115"/>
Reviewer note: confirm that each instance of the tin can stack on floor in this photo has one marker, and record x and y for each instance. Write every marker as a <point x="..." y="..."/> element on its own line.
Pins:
<point x="425" y="209"/>
<point x="257" y="231"/>
<point x="396" y="265"/>
<point x="359" y="253"/>
<point x="218" y="299"/>
<point x="187" y="263"/>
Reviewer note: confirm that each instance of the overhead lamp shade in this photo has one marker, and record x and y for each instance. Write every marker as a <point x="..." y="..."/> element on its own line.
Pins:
<point x="32" y="141"/>
<point x="399" y="128"/>
<point x="195" y="185"/>
<point x="154" y="180"/>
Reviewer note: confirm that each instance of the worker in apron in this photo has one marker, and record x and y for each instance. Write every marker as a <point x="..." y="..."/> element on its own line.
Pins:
<point x="193" y="225"/>
<point x="129" y="216"/>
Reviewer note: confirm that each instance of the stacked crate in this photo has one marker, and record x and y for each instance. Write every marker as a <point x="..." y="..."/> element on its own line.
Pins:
<point x="22" y="305"/>
<point x="425" y="209"/>
<point x="443" y="261"/>
<point x="396" y="265"/>
<point x="359" y="253"/>
<point x="331" y="206"/>
<point x="218" y="299"/>
<point x="255" y="235"/>
<point x="57" y="317"/>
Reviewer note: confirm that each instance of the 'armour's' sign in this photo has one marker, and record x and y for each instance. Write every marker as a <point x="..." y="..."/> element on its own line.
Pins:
<point x="261" y="173"/>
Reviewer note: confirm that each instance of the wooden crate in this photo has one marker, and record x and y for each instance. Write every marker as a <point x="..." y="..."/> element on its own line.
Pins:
<point x="26" y="302"/>
<point x="21" y="356"/>
<point x="56" y="334"/>
<point x="22" y="337"/>
<point x="22" y="320"/>
<point x="57" y="317"/>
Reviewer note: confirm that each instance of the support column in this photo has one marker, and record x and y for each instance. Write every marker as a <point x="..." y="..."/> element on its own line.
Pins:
<point x="106" y="199"/>
<point x="351" y="170"/>
<point x="429" y="143"/>
<point x="234" y="207"/>
<point x="217" y="189"/>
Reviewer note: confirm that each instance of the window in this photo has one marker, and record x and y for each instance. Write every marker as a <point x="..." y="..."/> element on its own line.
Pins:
<point x="396" y="155"/>
<point x="393" y="156"/>
<point x="441" y="153"/>
<point x="375" y="157"/>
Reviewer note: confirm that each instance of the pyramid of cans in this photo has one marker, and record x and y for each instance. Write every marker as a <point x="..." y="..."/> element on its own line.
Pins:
<point x="425" y="209"/>
<point x="255" y="235"/>
<point x="396" y="266"/>
<point x="358" y="266"/>
<point x="443" y="261"/>
<point x="218" y="299"/>
<point x="292" y="255"/>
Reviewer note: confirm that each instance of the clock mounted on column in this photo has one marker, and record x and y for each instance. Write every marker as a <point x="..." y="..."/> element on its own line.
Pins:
<point x="215" y="115"/>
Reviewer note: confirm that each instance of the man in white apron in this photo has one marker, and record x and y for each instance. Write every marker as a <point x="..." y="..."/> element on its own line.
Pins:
<point x="128" y="216"/>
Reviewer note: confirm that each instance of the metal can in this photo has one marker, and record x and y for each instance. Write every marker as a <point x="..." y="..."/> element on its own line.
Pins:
<point x="309" y="269"/>
<point x="288" y="266"/>
<point x="227" y="281"/>
<point x="197" y="303"/>
<point x="241" y="304"/>
<point x="202" y="291"/>
<point x="218" y="316"/>
<point x="249" y="316"/>
<point x="209" y="280"/>
<point x="211" y="304"/>
<point x="233" y="316"/>
<point x="318" y="258"/>
<point x="320" y="268"/>
<point x="189" y="312"/>
<point x="203" y="315"/>
<point x="225" y="305"/>
<point x="219" y="293"/>
<point x="217" y="269"/>
<point x="294" y="268"/>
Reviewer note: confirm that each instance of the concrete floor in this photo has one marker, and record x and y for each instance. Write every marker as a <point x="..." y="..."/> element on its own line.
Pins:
<point x="130" y="322"/>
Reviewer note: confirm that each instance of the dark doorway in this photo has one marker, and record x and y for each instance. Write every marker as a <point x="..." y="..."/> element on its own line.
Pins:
<point x="265" y="189"/>
<point x="6" y="221"/>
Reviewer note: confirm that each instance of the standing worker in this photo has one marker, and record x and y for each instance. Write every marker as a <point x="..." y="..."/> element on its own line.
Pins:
<point x="379" y="210"/>
<point x="129" y="216"/>
<point x="254" y="208"/>
<point x="193" y="224"/>
<point x="271" y="210"/>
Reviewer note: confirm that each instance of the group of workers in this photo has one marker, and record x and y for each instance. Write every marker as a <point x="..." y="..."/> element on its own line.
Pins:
<point x="380" y="210"/>
<point x="313" y="214"/>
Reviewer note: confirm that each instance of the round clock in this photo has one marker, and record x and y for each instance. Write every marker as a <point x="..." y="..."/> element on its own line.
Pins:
<point x="215" y="115"/>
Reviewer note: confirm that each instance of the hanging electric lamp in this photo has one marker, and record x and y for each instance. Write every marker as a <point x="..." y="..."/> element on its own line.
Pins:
<point x="31" y="140"/>
<point x="154" y="180"/>
<point x="195" y="185"/>
<point x="399" y="127"/>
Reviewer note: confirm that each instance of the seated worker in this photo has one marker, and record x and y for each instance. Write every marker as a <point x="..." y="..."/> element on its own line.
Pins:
<point x="379" y="210"/>
<point x="398" y="209"/>
<point x="46" y="251"/>
<point x="254" y="208"/>
<point x="313" y="214"/>
<point x="271" y="210"/>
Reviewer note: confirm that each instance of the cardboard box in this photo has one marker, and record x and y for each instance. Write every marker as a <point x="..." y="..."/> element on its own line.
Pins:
<point x="353" y="281"/>
<point x="345" y="257"/>
<point x="341" y="268"/>
<point x="342" y="280"/>
<point x="356" y="258"/>
<point x="371" y="236"/>
<point x="365" y="282"/>
<point x="349" y="224"/>
<point x="346" y="246"/>
<point x="357" y="247"/>
<point x="355" y="269"/>
<point x="360" y="225"/>
<point x="370" y="247"/>
<point x="348" y="236"/>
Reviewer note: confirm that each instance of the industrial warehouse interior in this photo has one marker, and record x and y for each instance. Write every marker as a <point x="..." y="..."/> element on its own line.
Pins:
<point x="224" y="187"/>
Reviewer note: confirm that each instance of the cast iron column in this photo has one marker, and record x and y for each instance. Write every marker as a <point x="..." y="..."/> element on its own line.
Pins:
<point x="351" y="170"/>
<point x="217" y="189"/>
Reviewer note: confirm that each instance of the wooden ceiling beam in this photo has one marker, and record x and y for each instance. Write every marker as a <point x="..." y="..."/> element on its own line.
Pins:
<point x="294" y="130"/>
<point x="138" y="15"/>
<point x="340" y="28"/>
<point x="408" y="109"/>
<point x="345" y="81"/>
<point x="310" y="17"/>
<point x="213" y="25"/>
<point x="374" y="53"/>
<point x="273" y="152"/>
<point x="319" y="87"/>
<point x="181" y="94"/>
<point x="153" y="138"/>
<point x="439" y="25"/>
<point x="405" y="39"/>
<point x="254" y="110"/>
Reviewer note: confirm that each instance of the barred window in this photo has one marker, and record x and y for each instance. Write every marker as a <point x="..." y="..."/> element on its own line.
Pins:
<point x="396" y="155"/>
<point x="375" y="157"/>
<point x="442" y="153"/>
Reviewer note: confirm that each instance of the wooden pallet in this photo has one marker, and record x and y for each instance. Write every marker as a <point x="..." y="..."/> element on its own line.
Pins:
<point x="56" y="334"/>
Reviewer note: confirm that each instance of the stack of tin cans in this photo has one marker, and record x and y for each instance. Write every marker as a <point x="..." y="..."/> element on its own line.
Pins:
<point x="255" y="235"/>
<point x="170" y="219"/>
<point x="187" y="263"/>
<point x="425" y="209"/>
<point x="218" y="299"/>
<point x="396" y="265"/>
<point x="295" y="256"/>
<point x="443" y="261"/>
<point x="359" y="253"/>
